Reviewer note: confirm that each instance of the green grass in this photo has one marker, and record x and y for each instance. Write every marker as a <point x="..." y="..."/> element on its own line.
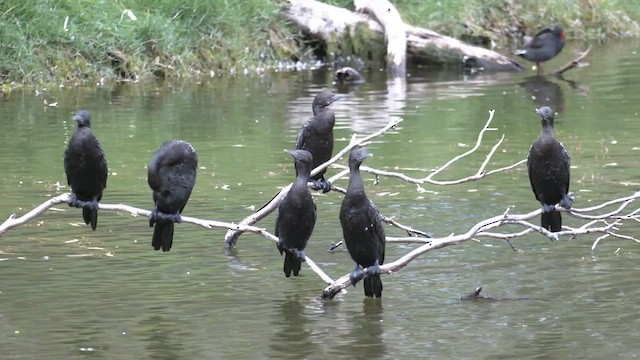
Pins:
<point x="185" y="39"/>
<point x="175" y="38"/>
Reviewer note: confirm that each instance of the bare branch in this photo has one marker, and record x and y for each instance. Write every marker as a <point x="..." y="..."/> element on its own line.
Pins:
<point x="481" y="230"/>
<point x="573" y="63"/>
<point x="12" y="222"/>
<point x="231" y="237"/>
<point x="479" y="174"/>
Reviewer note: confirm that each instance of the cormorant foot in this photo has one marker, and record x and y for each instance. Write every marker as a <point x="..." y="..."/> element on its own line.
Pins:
<point x="93" y="205"/>
<point x="75" y="202"/>
<point x="160" y="217"/>
<point x="322" y="184"/>
<point x="373" y="269"/>
<point x="356" y="275"/>
<point x="566" y="202"/>
<point x="299" y="254"/>
<point x="548" y="208"/>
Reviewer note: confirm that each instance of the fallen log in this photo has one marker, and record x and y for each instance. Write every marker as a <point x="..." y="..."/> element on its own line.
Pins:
<point x="346" y="33"/>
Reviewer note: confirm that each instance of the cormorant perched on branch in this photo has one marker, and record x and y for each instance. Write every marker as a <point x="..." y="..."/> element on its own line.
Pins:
<point x="362" y="229"/>
<point x="86" y="169"/>
<point x="316" y="136"/>
<point x="171" y="176"/>
<point x="548" y="164"/>
<point x="296" y="215"/>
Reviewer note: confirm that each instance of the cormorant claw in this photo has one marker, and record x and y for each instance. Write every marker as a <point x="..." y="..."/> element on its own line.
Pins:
<point x="75" y="202"/>
<point x="373" y="269"/>
<point x="322" y="184"/>
<point x="548" y="208"/>
<point x="160" y="217"/>
<point x="356" y="275"/>
<point x="298" y="253"/>
<point x="566" y="202"/>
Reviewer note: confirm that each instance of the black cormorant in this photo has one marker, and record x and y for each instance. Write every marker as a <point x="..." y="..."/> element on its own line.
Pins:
<point x="316" y="136"/>
<point x="86" y="169"/>
<point x="171" y="176"/>
<point x="548" y="164"/>
<point x="296" y="215"/>
<point x="362" y="229"/>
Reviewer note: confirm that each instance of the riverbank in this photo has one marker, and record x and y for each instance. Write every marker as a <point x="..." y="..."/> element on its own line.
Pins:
<point x="76" y="43"/>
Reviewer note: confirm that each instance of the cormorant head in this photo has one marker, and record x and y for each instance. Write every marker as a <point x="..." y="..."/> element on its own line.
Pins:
<point x="301" y="156"/>
<point x="83" y="118"/>
<point x="357" y="156"/>
<point x="324" y="99"/>
<point x="302" y="159"/>
<point x="546" y="114"/>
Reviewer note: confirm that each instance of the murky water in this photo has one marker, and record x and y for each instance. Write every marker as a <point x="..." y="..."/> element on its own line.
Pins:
<point x="69" y="293"/>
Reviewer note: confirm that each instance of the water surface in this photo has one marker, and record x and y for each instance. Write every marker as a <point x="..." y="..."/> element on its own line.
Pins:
<point x="67" y="292"/>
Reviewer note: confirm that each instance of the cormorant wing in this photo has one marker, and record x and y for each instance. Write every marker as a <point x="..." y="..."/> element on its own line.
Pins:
<point x="567" y="167"/>
<point x="530" y="170"/>
<point x="376" y="230"/>
<point x="303" y="136"/>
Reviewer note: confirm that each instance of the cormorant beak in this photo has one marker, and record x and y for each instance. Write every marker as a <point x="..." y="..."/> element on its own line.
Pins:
<point x="335" y="98"/>
<point x="362" y="155"/>
<point x="292" y="153"/>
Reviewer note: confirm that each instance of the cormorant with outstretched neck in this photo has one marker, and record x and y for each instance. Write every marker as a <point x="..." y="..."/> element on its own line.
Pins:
<point x="316" y="136"/>
<point x="362" y="229"/>
<point x="548" y="164"/>
<point x="296" y="215"/>
<point x="171" y="176"/>
<point x="86" y="169"/>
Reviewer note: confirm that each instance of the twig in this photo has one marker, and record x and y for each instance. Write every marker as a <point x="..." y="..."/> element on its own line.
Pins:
<point x="231" y="237"/>
<point x="479" y="174"/>
<point x="573" y="63"/>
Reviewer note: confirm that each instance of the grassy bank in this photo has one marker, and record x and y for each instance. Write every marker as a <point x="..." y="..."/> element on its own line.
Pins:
<point x="82" y="41"/>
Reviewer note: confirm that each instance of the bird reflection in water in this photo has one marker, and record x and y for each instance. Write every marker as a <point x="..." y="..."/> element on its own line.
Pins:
<point x="365" y="338"/>
<point x="292" y="337"/>
<point x="544" y="92"/>
<point x="164" y="340"/>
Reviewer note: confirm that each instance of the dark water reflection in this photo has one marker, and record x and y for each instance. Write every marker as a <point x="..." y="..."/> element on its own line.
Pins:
<point x="69" y="293"/>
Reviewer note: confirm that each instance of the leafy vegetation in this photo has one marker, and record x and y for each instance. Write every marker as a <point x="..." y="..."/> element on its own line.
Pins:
<point x="83" y="41"/>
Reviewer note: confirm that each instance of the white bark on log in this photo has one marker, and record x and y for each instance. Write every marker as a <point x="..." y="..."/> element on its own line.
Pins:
<point x="327" y="22"/>
<point x="394" y="30"/>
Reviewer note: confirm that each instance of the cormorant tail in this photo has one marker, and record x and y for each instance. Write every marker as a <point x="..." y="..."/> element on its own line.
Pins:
<point x="373" y="286"/>
<point x="162" y="236"/>
<point x="552" y="221"/>
<point x="90" y="216"/>
<point x="292" y="263"/>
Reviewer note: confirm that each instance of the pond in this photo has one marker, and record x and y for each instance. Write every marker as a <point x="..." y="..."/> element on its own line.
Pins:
<point x="67" y="292"/>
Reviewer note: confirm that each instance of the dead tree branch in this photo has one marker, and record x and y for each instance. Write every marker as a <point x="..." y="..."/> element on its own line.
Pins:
<point x="573" y="63"/>
<point x="479" y="174"/>
<point x="14" y="221"/>
<point x="482" y="228"/>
